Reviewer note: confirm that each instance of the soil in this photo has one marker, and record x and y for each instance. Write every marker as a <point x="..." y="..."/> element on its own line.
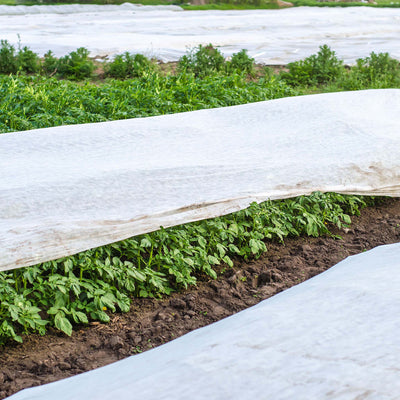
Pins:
<point x="151" y="322"/>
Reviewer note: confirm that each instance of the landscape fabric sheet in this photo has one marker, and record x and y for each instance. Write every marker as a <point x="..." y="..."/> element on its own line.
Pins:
<point x="332" y="337"/>
<point x="71" y="188"/>
<point x="167" y="32"/>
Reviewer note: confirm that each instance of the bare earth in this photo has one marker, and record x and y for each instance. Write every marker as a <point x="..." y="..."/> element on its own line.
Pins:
<point x="151" y="323"/>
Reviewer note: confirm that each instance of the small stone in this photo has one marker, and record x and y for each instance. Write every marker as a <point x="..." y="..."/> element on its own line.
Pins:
<point x="306" y="248"/>
<point x="177" y="303"/>
<point x="116" y="342"/>
<point x="162" y="316"/>
<point x="219" y="311"/>
<point x="132" y="335"/>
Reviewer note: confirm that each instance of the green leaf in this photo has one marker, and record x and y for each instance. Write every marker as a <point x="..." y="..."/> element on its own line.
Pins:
<point x="213" y="260"/>
<point x="202" y="242"/>
<point x="227" y="260"/>
<point x="145" y="242"/>
<point x="80" y="317"/>
<point x="63" y="324"/>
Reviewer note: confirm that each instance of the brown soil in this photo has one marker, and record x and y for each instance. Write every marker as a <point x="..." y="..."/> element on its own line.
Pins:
<point x="153" y="322"/>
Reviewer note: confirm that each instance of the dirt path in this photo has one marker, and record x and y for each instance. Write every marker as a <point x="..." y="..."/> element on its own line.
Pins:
<point x="153" y="322"/>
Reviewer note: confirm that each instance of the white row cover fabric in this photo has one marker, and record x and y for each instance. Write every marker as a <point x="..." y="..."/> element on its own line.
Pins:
<point x="166" y="33"/>
<point x="71" y="188"/>
<point x="335" y="336"/>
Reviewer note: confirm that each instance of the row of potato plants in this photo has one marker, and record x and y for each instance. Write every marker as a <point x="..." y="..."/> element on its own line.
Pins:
<point x="29" y="102"/>
<point x="91" y="284"/>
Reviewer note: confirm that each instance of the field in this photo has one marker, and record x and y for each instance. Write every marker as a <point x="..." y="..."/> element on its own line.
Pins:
<point x="224" y="255"/>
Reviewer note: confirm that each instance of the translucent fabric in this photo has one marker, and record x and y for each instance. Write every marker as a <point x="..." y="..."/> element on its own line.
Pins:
<point x="166" y="32"/>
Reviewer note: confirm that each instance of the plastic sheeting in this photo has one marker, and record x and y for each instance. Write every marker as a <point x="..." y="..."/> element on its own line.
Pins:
<point x="270" y="36"/>
<point x="332" y="337"/>
<point x="70" y="188"/>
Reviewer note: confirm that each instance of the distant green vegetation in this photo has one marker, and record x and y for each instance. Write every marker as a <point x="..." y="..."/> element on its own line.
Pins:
<point x="32" y="95"/>
<point x="91" y="284"/>
<point x="325" y="70"/>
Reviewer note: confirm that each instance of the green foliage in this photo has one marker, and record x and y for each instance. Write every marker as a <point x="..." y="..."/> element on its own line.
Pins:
<point x="241" y="62"/>
<point x="8" y="59"/>
<point x="50" y="63"/>
<point x="128" y="66"/>
<point x="317" y="69"/>
<point x="75" y="65"/>
<point x="24" y="60"/>
<point x="89" y="285"/>
<point x="202" y="61"/>
<point x="28" y="61"/>
<point x="376" y="71"/>
<point x="28" y="102"/>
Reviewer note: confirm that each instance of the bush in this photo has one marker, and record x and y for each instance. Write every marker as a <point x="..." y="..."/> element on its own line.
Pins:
<point x="28" y="61"/>
<point x="50" y="63"/>
<point x="241" y="62"/>
<point x="8" y="59"/>
<point x="128" y="66"/>
<point x="11" y="62"/>
<point x="375" y="71"/>
<point x="202" y="61"/>
<point x="75" y="65"/>
<point x="320" y="68"/>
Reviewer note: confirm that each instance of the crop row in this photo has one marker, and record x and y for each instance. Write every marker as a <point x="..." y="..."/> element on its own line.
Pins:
<point x="89" y="285"/>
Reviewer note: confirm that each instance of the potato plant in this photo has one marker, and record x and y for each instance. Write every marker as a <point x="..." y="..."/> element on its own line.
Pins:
<point x="89" y="285"/>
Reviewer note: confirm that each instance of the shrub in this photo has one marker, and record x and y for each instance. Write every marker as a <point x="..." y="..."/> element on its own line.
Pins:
<point x="317" y="69"/>
<point x="75" y="65"/>
<point x="8" y="59"/>
<point x="375" y="71"/>
<point x="28" y="61"/>
<point x="241" y="62"/>
<point x="50" y="63"/>
<point x="202" y="61"/>
<point x="128" y="66"/>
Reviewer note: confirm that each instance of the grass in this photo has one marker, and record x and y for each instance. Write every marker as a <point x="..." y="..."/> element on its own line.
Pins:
<point x="92" y="284"/>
